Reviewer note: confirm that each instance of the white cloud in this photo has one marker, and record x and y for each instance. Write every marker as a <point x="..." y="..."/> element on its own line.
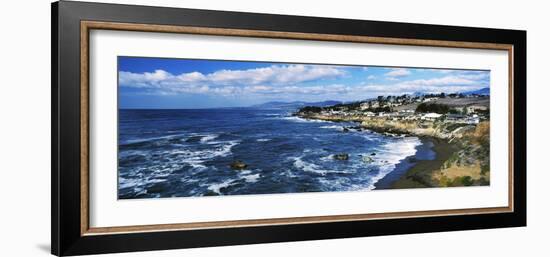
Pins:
<point x="229" y="81"/>
<point x="143" y="80"/>
<point x="312" y="90"/>
<point x="398" y="72"/>
<point x="443" y="81"/>
<point x="473" y="74"/>
<point x="289" y="81"/>
<point x="447" y="84"/>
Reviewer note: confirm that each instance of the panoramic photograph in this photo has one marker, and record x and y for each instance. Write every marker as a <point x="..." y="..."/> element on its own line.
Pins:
<point x="194" y="128"/>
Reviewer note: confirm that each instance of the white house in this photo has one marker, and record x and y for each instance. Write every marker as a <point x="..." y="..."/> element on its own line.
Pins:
<point x="431" y="116"/>
<point x="364" y="106"/>
<point x="369" y="114"/>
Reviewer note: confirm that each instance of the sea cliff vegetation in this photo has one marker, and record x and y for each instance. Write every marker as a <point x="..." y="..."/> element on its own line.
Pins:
<point x="458" y="125"/>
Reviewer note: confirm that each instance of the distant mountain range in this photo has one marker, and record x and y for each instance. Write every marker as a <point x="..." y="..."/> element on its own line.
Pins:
<point x="295" y="104"/>
<point x="298" y="104"/>
<point x="483" y="91"/>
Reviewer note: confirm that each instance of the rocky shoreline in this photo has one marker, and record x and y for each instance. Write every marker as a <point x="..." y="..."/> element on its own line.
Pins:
<point x="461" y="151"/>
<point x="435" y="129"/>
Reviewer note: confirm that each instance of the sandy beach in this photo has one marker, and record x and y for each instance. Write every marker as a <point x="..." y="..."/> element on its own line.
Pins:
<point x="420" y="174"/>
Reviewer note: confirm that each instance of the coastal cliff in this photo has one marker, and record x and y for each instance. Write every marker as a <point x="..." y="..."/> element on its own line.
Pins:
<point x="462" y="149"/>
<point x="436" y="129"/>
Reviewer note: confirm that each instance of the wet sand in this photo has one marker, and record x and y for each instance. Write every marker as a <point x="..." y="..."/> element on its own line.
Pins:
<point x="417" y="172"/>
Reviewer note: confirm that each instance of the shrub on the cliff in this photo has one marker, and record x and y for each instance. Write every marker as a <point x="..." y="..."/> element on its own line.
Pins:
<point x="381" y="109"/>
<point x="485" y="168"/>
<point x="345" y="107"/>
<point x="433" y="107"/>
<point x="466" y="181"/>
<point x="311" y="109"/>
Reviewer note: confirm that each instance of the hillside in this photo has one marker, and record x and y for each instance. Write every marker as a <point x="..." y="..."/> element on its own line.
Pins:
<point x="458" y="126"/>
<point x="451" y="102"/>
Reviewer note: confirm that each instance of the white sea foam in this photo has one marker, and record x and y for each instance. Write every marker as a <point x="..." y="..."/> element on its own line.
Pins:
<point x="327" y="158"/>
<point x="339" y="128"/>
<point x="289" y="173"/>
<point x="311" y="167"/>
<point x="390" y="154"/>
<point x="394" y="152"/>
<point x="159" y="170"/>
<point x="208" y="138"/>
<point x="370" y="137"/>
<point x="126" y="183"/>
<point x="155" y="180"/>
<point x="141" y="140"/>
<point x="272" y="114"/>
<point x="244" y="172"/>
<point x="298" y="119"/>
<point x="197" y="166"/>
<point x="263" y="139"/>
<point x="189" y="180"/>
<point x="336" y="184"/>
<point x="251" y="178"/>
<point x="387" y="157"/>
<point x="199" y="156"/>
<point x="218" y="186"/>
<point x="127" y="153"/>
<point x="135" y="182"/>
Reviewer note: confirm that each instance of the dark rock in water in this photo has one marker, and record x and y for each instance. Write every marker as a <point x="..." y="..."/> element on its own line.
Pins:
<point x="210" y="193"/>
<point x="367" y="159"/>
<point x="156" y="188"/>
<point x="238" y="165"/>
<point x="341" y="156"/>
<point x="373" y="154"/>
<point x="412" y="159"/>
<point x="345" y="129"/>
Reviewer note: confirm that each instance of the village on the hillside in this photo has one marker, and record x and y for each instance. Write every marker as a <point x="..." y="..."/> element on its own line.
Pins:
<point x="458" y="125"/>
<point x="453" y="108"/>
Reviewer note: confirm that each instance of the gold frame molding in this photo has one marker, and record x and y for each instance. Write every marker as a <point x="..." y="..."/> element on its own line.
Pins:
<point x="86" y="26"/>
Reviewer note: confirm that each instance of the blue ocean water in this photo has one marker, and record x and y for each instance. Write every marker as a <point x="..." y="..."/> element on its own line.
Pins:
<point x="182" y="153"/>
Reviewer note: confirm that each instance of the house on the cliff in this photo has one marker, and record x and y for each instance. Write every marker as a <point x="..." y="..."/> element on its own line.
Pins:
<point x="431" y="116"/>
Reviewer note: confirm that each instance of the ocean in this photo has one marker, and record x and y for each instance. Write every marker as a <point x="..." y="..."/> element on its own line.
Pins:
<point x="185" y="153"/>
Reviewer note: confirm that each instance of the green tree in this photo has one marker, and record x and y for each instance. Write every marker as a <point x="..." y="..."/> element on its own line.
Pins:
<point x="433" y="107"/>
<point x="314" y="109"/>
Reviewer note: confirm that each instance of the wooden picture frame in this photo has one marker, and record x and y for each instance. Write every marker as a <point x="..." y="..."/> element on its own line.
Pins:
<point x="71" y="25"/>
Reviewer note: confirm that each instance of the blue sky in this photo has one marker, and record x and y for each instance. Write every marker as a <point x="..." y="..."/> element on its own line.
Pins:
<point x="183" y="83"/>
